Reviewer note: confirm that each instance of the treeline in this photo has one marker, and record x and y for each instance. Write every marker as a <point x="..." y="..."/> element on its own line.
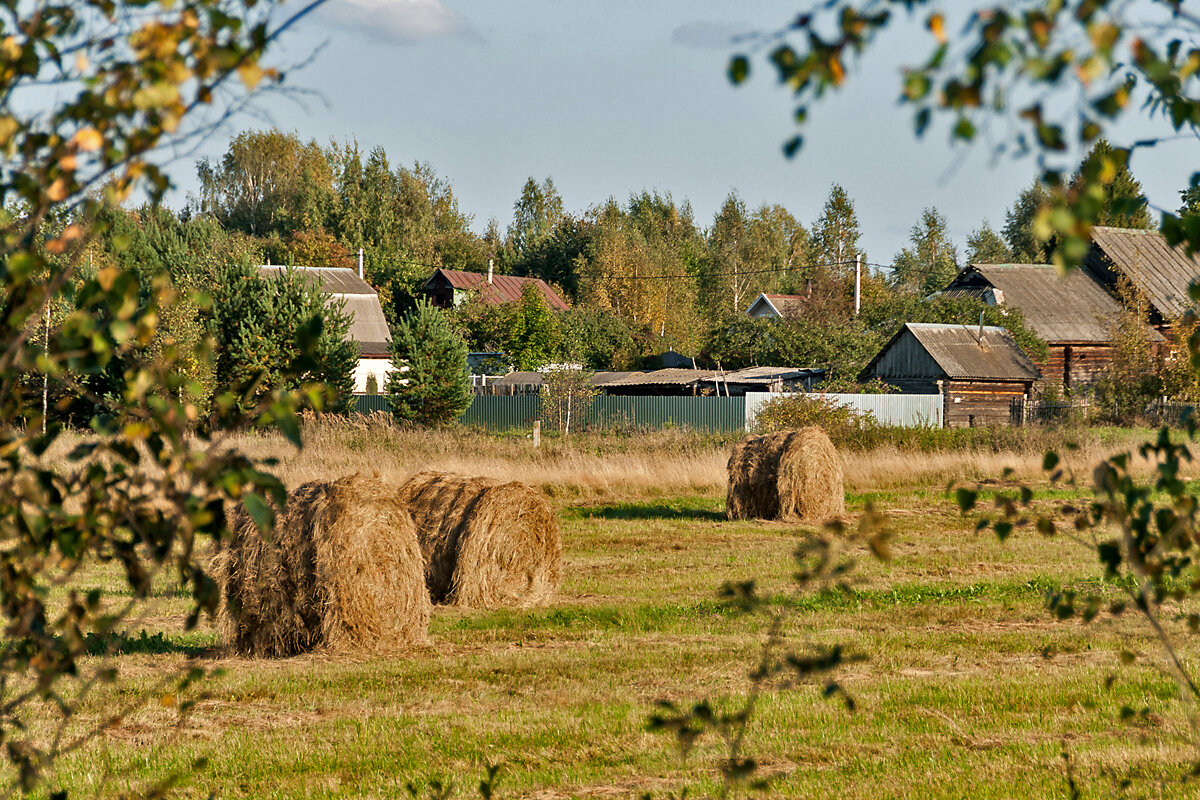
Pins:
<point x="642" y="275"/>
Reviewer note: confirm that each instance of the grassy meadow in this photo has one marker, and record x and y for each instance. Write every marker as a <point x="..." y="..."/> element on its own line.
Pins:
<point x="969" y="687"/>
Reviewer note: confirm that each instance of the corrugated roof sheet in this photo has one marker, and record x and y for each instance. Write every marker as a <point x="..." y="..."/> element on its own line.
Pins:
<point x="1059" y="308"/>
<point x="333" y="280"/>
<point x="658" y="377"/>
<point x="761" y="375"/>
<point x="368" y="325"/>
<point x="1161" y="272"/>
<point x="957" y="350"/>
<point x="503" y="289"/>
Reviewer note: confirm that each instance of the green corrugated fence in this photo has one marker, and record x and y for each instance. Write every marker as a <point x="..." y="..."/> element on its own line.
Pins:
<point x="517" y="412"/>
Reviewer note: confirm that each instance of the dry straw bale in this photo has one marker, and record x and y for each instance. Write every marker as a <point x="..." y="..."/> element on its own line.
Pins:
<point x="341" y="573"/>
<point x="789" y="475"/>
<point x="486" y="543"/>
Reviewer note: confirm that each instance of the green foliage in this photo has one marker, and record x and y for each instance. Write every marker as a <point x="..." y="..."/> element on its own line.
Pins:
<point x="984" y="246"/>
<point x="567" y="396"/>
<point x="598" y="339"/>
<point x="536" y="216"/>
<point x="793" y="411"/>
<point x="1105" y="180"/>
<point x="1024" y="245"/>
<point x="533" y="337"/>
<point x="1132" y="380"/>
<point x="931" y="262"/>
<point x="429" y="384"/>
<point x="279" y="333"/>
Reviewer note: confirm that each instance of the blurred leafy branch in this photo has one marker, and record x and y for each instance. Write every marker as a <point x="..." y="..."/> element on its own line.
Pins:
<point x="1056" y="73"/>
<point x="93" y="95"/>
<point x="824" y="561"/>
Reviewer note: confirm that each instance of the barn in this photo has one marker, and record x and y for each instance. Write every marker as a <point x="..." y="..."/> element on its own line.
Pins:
<point x="1072" y="313"/>
<point x="983" y="375"/>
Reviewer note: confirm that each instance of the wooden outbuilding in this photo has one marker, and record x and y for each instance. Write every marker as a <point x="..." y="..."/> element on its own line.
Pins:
<point x="1072" y="313"/>
<point x="1159" y="272"/>
<point x="449" y="288"/>
<point x="983" y="375"/>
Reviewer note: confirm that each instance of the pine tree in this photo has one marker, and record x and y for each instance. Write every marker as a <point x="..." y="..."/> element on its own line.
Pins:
<point x="931" y="262"/>
<point x="1118" y="195"/>
<point x="1023" y="246"/>
<point x="985" y="246"/>
<point x="429" y="383"/>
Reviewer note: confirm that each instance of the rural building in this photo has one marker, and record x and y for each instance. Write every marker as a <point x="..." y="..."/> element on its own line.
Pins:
<point x="761" y="379"/>
<point x="1161" y="273"/>
<point x="776" y="306"/>
<point x="368" y="326"/>
<point x="983" y="375"/>
<point x="448" y="288"/>
<point x="1072" y="313"/>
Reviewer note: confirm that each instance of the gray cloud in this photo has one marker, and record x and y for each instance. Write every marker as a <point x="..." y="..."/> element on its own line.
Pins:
<point x="399" y="21"/>
<point x="705" y="34"/>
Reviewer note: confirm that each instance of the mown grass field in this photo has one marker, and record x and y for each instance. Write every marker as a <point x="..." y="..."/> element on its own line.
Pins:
<point x="970" y="688"/>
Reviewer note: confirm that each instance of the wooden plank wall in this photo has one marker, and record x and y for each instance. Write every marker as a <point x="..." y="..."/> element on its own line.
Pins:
<point x="1072" y="366"/>
<point x="981" y="403"/>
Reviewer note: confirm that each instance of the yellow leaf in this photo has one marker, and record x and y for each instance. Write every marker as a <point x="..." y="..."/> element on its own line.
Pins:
<point x="106" y="278"/>
<point x="10" y="48"/>
<point x="81" y="62"/>
<point x="57" y="191"/>
<point x="837" y="71"/>
<point x="8" y="126"/>
<point x="68" y="162"/>
<point x="937" y="26"/>
<point x="250" y="73"/>
<point x="87" y="139"/>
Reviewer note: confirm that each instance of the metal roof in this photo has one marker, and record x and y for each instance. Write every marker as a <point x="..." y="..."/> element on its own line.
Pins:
<point x="960" y="352"/>
<point x="368" y="326"/>
<point x="503" y="288"/>
<point x="332" y="280"/>
<point x="1071" y="307"/>
<point x="658" y="377"/>
<point x="783" y="304"/>
<point x="1160" y="272"/>
<point x="762" y="375"/>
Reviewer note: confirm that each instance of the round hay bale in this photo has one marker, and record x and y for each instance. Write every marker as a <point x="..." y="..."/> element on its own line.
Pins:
<point x="342" y="573"/>
<point x="809" y="478"/>
<point x="788" y="475"/>
<point x="486" y="543"/>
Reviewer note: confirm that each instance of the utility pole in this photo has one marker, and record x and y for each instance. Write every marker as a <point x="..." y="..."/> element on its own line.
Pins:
<point x="46" y="369"/>
<point x="857" y="283"/>
<point x="360" y="263"/>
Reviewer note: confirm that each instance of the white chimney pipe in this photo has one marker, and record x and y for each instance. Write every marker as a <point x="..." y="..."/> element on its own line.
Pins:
<point x="360" y="263"/>
<point x="489" y="271"/>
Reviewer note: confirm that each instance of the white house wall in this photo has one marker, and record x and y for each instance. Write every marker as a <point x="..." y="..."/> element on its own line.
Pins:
<point x="379" y="367"/>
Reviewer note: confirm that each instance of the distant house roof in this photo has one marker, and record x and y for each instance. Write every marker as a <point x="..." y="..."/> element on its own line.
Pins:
<point x="657" y="377"/>
<point x="959" y="353"/>
<point x="368" y="326"/>
<point x="1160" y="272"/>
<point x="1072" y="307"/>
<point x="502" y="289"/>
<point x="763" y="376"/>
<point x="776" y="305"/>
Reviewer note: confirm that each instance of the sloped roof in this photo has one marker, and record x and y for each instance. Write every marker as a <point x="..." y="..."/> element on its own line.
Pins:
<point x="957" y="351"/>
<point x="503" y="289"/>
<point x="368" y="326"/>
<point x="1161" y="272"/>
<point x="1072" y="307"/>
<point x="332" y="280"/>
<point x="762" y="375"/>
<point x="783" y="304"/>
<point x="657" y="377"/>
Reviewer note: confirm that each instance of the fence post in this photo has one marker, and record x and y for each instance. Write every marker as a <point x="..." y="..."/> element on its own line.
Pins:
<point x="537" y="433"/>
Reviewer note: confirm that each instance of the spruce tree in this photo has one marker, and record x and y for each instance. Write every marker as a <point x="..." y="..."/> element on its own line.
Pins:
<point x="1121" y="203"/>
<point x="430" y="383"/>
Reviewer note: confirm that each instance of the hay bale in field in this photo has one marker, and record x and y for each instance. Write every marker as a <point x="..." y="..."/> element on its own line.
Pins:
<point x="486" y="543"/>
<point x="342" y="573"/>
<point x="789" y="475"/>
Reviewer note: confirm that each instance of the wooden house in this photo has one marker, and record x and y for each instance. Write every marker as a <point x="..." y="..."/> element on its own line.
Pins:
<point x="368" y="326"/>
<point x="983" y="375"/>
<point x="448" y="288"/>
<point x="1073" y="314"/>
<point x="1161" y="273"/>
<point x="776" y="306"/>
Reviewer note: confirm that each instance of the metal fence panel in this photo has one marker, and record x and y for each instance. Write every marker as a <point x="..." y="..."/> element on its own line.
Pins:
<point x="370" y="403"/>
<point x="900" y="410"/>
<point x="712" y="414"/>
<point x="501" y="413"/>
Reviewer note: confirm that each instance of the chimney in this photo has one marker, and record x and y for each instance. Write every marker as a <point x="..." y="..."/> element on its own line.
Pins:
<point x="489" y="272"/>
<point x="360" y="263"/>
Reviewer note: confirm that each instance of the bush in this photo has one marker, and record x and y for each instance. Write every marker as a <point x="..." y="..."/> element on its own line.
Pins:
<point x="843" y="425"/>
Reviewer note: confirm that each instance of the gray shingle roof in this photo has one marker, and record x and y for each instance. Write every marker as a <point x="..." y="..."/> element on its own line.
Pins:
<point x="333" y="280"/>
<point x="1059" y="308"/>
<point x="1161" y="272"/>
<point x="957" y="350"/>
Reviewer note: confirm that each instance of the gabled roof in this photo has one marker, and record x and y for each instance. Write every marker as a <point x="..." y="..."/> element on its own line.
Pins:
<point x="332" y="280"/>
<point x="1160" y="272"/>
<point x="1072" y="307"/>
<point x="961" y="354"/>
<point x="503" y="288"/>
<point x="781" y="304"/>
<point x="368" y="326"/>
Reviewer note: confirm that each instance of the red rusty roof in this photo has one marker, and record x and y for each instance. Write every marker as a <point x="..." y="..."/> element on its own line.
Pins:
<point x="503" y="289"/>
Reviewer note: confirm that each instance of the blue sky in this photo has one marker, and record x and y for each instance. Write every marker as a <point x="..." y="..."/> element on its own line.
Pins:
<point x="610" y="97"/>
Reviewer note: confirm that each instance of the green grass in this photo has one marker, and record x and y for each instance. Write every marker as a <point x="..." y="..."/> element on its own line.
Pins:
<point x="969" y="687"/>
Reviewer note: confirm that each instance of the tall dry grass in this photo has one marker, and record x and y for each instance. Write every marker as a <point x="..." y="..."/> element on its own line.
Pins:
<point x="667" y="462"/>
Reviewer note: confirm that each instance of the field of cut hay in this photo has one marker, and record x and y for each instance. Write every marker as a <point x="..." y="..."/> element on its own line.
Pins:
<point x="967" y="687"/>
